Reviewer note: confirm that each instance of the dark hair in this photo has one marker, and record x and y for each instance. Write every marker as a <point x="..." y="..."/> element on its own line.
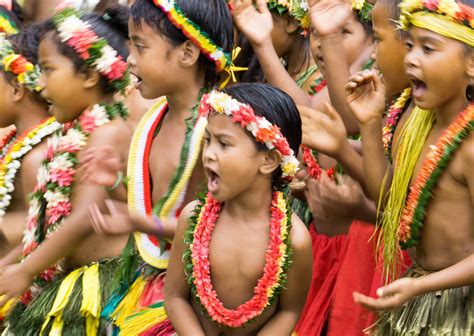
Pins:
<point x="277" y="107"/>
<point x="212" y="17"/>
<point x="113" y="26"/>
<point x="26" y="43"/>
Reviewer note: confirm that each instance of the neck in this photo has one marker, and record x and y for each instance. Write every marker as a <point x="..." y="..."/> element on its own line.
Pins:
<point x="30" y="115"/>
<point x="183" y="99"/>
<point x="251" y="203"/>
<point x="446" y="113"/>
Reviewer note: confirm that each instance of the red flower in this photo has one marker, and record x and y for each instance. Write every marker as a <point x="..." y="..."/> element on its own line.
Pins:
<point x="82" y="41"/>
<point x="18" y="65"/>
<point x="117" y="70"/>
<point x="432" y="5"/>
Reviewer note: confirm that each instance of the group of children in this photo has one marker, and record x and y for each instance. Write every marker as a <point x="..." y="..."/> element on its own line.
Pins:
<point x="329" y="140"/>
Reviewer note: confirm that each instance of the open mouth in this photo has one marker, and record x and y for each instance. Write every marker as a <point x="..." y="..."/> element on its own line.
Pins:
<point x="418" y="87"/>
<point x="212" y="180"/>
<point x="137" y="80"/>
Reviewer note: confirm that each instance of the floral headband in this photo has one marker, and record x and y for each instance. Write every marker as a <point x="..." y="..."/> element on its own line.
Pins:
<point x="445" y="17"/>
<point x="298" y="9"/>
<point x="192" y="31"/>
<point x="94" y="50"/>
<point x="363" y="9"/>
<point x="263" y="131"/>
<point x="26" y="73"/>
<point x="7" y="25"/>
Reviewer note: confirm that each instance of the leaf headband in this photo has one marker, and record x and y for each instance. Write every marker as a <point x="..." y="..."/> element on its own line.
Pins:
<point x="26" y="73"/>
<point x="263" y="130"/>
<point x="363" y="9"/>
<point x="192" y="31"/>
<point x="445" y="17"/>
<point x="92" y="49"/>
<point x="298" y="9"/>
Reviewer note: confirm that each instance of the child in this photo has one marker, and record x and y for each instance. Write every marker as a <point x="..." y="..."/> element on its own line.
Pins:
<point x="66" y="269"/>
<point x="244" y="124"/>
<point x="21" y="155"/>
<point x="429" y="203"/>
<point x="170" y="59"/>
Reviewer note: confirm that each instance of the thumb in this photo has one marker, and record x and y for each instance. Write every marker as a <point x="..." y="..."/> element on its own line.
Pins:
<point x="388" y="290"/>
<point x="378" y="85"/>
<point x="330" y="111"/>
<point x="262" y="6"/>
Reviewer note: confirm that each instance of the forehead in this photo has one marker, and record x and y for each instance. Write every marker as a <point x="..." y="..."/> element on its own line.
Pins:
<point x="219" y="124"/>
<point x="381" y="17"/>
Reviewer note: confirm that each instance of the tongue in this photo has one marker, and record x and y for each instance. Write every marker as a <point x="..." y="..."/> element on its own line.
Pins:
<point x="213" y="183"/>
<point x="419" y="89"/>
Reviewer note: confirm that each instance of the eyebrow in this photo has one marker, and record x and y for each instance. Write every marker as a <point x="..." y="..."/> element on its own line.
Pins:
<point x="220" y="134"/>
<point x="136" y="38"/>
<point x="428" y="39"/>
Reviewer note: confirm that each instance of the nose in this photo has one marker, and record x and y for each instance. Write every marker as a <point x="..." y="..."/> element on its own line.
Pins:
<point x="41" y="84"/>
<point x="208" y="153"/>
<point x="411" y="59"/>
<point x="131" y="60"/>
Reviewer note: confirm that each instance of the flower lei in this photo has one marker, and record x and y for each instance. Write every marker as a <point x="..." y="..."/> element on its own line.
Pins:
<point x="433" y="166"/>
<point x="7" y="141"/>
<point x="11" y="162"/>
<point x="50" y="201"/>
<point x="298" y="9"/>
<point x="393" y="117"/>
<point x="263" y="131"/>
<point x="363" y="9"/>
<point x="449" y="18"/>
<point x="193" y="32"/>
<point x="7" y="25"/>
<point x="196" y="257"/>
<point x="92" y="49"/>
<point x="26" y="73"/>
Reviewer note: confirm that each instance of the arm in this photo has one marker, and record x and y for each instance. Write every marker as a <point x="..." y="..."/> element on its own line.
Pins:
<point x="366" y="97"/>
<point x="257" y="25"/>
<point x="293" y="297"/>
<point x="177" y="293"/>
<point x="402" y="290"/>
<point x="328" y="19"/>
<point x="12" y="257"/>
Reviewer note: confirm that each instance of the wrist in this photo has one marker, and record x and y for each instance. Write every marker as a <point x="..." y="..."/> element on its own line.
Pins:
<point x="263" y="46"/>
<point x="372" y="122"/>
<point x="158" y="226"/>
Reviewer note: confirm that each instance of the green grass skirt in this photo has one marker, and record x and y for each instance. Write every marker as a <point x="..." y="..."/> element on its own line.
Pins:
<point x="448" y="312"/>
<point x="29" y="320"/>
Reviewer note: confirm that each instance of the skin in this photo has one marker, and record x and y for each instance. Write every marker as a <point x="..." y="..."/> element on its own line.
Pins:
<point x="74" y="241"/>
<point x="243" y="221"/>
<point x="167" y="70"/>
<point x="448" y="235"/>
<point x="19" y="109"/>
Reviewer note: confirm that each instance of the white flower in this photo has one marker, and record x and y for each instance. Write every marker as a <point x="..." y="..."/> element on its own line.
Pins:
<point x="217" y="55"/>
<point x="28" y="237"/>
<point x="54" y="198"/>
<point x="74" y="138"/>
<point x="34" y="208"/>
<point x="108" y="57"/>
<point x="70" y="26"/>
<point x="61" y="162"/>
<point x="100" y="115"/>
<point x="167" y="4"/>
<point x="42" y="176"/>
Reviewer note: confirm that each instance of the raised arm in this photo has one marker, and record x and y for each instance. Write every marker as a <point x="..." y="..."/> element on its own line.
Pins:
<point x="257" y="25"/>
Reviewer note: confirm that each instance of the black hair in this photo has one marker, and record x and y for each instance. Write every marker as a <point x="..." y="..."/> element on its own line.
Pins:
<point x="277" y="107"/>
<point x="26" y="43"/>
<point x="112" y="25"/>
<point x="212" y="17"/>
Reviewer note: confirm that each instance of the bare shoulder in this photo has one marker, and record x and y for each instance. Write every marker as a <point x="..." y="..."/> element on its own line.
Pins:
<point x="33" y="160"/>
<point x="187" y="213"/>
<point x="115" y="133"/>
<point x="466" y="152"/>
<point x="300" y="237"/>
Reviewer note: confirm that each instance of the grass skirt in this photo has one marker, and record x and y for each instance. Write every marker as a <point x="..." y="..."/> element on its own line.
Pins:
<point x="70" y="305"/>
<point x="448" y="312"/>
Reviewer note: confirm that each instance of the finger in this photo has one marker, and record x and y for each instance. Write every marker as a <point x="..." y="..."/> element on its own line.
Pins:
<point x="331" y="112"/>
<point x="112" y="208"/>
<point x="378" y="86"/>
<point x="262" y="6"/>
<point x="97" y="218"/>
<point x="366" y="301"/>
<point x="388" y="290"/>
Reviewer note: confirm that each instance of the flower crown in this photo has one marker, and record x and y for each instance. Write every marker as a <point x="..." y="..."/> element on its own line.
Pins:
<point x="263" y="131"/>
<point x="446" y="17"/>
<point x="192" y="31"/>
<point x="94" y="50"/>
<point x="298" y="9"/>
<point x="7" y="25"/>
<point x="363" y="9"/>
<point x="26" y="73"/>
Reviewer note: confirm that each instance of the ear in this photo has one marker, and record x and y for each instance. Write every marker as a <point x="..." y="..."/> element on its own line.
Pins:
<point x="271" y="162"/>
<point x="19" y="91"/>
<point x="291" y="25"/>
<point x="91" y="78"/>
<point x="470" y="68"/>
<point x="189" y="54"/>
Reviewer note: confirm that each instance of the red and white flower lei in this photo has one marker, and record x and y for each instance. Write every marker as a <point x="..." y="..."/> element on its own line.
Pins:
<point x="50" y="201"/>
<point x="274" y="273"/>
<point x="11" y="161"/>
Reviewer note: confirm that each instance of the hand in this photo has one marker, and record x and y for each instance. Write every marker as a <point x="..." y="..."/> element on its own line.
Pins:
<point x="391" y="296"/>
<point x="100" y="165"/>
<point x="365" y="95"/>
<point x="117" y="222"/>
<point x="14" y="281"/>
<point x="329" y="16"/>
<point x="255" y="23"/>
<point x="323" y="131"/>
<point x="333" y="203"/>
<point x="298" y="184"/>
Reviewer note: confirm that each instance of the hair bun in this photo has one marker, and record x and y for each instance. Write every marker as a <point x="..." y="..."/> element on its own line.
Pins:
<point x="116" y="18"/>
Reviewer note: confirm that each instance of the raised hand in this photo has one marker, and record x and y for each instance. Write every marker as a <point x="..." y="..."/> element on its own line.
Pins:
<point x="323" y="131"/>
<point x="365" y="95"/>
<point x="329" y="16"/>
<point x="389" y="297"/>
<point x="255" y="22"/>
<point x="117" y="222"/>
<point x="100" y="165"/>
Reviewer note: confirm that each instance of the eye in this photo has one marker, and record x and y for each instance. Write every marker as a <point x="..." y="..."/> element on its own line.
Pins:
<point x="207" y="139"/>
<point x="345" y="31"/>
<point x="409" y="45"/>
<point x="427" y="49"/>
<point x="223" y="144"/>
